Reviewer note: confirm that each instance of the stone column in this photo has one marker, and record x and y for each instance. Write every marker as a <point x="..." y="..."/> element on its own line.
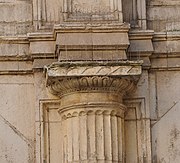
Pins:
<point x="92" y="110"/>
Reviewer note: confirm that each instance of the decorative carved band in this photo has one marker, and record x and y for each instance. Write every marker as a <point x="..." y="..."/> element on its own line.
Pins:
<point x="96" y="83"/>
<point x="94" y="68"/>
<point x="108" y="108"/>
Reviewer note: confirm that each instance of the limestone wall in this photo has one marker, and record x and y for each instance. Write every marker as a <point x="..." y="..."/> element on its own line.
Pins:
<point x="163" y="15"/>
<point x="164" y="114"/>
<point x="29" y="121"/>
<point x="16" y="17"/>
<point x="17" y="127"/>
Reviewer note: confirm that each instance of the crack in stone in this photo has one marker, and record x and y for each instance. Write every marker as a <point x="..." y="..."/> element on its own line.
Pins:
<point x="175" y="103"/>
<point x="30" y="144"/>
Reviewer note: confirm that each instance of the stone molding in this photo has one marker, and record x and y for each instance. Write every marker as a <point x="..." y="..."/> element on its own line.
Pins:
<point x="166" y="36"/>
<point x="108" y="108"/>
<point x="96" y="68"/>
<point x="141" y="46"/>
<point x="137" y="113"/>
<point x="44" y="130"/>
<point x="64" y="78"/>
<point x="95" y="84"/>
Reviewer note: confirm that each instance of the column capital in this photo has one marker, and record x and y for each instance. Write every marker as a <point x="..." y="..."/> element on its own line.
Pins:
<point x="68" y="77"/>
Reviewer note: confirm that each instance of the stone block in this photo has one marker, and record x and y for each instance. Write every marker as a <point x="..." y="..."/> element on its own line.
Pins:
<point x="17" y="117"/>
<point x="15" y="28"/>
<point x="166" y="136"/>
<point x="15" y="66"/>
<point x="42" y="47"/>
<point x="72" y="55"/>
<point x="75" y="55"/>
<point x="173" y="62"/>
<point x="16" y="79"/>
<point x="13" y="143"/>
<point x="109" y="55"/>
<point x="11" y="49"/>
<point x="94" y="40"/>
<point x="141" y="46"/>
<point x="168" y="13"/>
<point x="16" y="11"/>
<point x="41" y="63"/>
<point x="110" y="39"/>
<point x="164" y="18"/>
<point x="14" y="99"/>
<point x="159" y="63"/>
<point x="16" y="18"/>
<point x="74" y="39"/>
<point x="167" y="94"/>
<point x="98" y="55"/>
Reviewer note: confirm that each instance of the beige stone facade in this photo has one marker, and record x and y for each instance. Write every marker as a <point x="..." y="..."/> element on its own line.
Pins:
<point x="93" y="81"/>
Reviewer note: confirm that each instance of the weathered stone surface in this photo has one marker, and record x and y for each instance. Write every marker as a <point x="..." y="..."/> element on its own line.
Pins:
<point x="91" y="119"/>
<point x="43" y="47"/>
<point x="92" y="110"/>
<point x="166" y="146"/>
<point x="16" y="18"/>
<point x="163" y="15"/>
<point x="17" y="119"/>
<point x="92" y="68"/>
<point x="168" y="84"/>
<point x="91" y="40"/>
<point x="8" y="49"/>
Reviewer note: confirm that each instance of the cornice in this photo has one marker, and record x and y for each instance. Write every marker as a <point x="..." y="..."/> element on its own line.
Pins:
<point x="163" y="3"/>
<point x="16" y="72"/>
<point x="41" y="36"/>
<point x="92" y="27"/>
<point x="16" y="58"/>
<point x="166" y="36"/>
<point x="14" y="40"/>
<point x="141" y="34"/>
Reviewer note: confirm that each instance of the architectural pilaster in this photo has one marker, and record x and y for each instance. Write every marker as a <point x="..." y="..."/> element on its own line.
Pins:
<point x="92" y="109"/>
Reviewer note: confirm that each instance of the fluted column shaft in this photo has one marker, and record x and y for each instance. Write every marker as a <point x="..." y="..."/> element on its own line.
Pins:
<point x="93" y="127"/>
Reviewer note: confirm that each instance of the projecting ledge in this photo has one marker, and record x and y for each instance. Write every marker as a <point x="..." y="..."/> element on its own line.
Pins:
<point x="72" y="76"/>
<point x="108" y="68"/>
